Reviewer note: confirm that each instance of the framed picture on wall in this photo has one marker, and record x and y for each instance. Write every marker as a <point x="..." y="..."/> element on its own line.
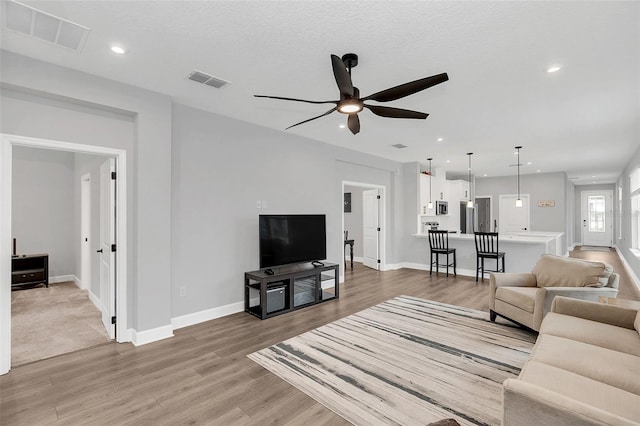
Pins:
<point x="347" y="202"/>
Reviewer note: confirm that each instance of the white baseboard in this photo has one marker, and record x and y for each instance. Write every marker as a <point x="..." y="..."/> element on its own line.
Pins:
<point x="63" y="278"/>
<point x="139" y="338"/>
<point x="630" y="271"/>
<point x="94" y="299"/>
<point x="206" y="315"/>
<point x="425" y="267"/>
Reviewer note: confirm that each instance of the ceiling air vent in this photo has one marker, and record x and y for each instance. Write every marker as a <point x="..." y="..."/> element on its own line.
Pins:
<point x="399" y="146"/>
<point x="44" y="26"/>
<point x="207" y="79"/>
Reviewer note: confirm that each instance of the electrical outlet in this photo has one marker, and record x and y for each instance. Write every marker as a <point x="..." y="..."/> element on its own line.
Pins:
<point x="183" y="291"/>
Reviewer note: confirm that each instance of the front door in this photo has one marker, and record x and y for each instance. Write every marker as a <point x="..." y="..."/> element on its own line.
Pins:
<point x="107" y="240"/>
<point x="597" y="214"/>
<point x="371" y="228"/>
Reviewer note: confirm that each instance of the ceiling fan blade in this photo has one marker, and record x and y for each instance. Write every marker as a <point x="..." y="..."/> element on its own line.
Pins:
<point x="342" y="76"/>
<point x="296" y="100"/>
<point x="353" y="122"/>
<point x="407" y="89"/>
<point x="306" y="121"/>
<point x="390" y="112"/>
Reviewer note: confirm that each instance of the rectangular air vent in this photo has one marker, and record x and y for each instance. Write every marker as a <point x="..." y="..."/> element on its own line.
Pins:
<point x="44" y="26"/>
<point x="207" y="79"/>
<point x="399" y="146"/>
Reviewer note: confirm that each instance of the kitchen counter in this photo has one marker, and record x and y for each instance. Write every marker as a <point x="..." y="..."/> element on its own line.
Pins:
<point x="522" y="250"/>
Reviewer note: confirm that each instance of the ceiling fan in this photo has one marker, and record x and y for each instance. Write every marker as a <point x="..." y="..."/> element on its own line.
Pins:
<point x="351" y="103"/>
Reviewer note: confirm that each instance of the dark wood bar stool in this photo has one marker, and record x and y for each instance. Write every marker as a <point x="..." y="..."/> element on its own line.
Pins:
<point x="439" y="244"/>
<point x="487" y="248"/>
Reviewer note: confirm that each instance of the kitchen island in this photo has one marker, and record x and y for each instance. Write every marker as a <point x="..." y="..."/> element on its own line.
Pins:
<point x="522" y="250"/>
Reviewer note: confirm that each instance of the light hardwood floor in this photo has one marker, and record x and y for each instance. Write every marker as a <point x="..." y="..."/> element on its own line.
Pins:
<point x="202" y="375"/>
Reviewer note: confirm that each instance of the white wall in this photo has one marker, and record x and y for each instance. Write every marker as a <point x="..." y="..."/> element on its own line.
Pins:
<point x="353" y="220"/>
<point x="57" y="103"/>
<point x="625" y="244"/>
<point x="42" y="206"/>
<point x="220" y="168"/>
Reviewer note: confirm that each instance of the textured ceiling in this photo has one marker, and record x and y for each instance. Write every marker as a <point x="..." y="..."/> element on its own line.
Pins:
<point x="584" y="119"/>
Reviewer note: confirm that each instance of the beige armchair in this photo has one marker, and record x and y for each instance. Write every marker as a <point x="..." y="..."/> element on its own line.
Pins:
<point x="525" y="298"/>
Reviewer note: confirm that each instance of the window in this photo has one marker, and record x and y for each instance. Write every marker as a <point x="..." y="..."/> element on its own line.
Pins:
<point x="596" y="213"/>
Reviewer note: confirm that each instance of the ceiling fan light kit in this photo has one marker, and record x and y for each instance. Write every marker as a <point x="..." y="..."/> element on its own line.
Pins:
<point x="351" y="103"/>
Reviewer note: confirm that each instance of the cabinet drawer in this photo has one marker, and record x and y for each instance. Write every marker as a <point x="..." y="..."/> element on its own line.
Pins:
<point x="27" y="276"/>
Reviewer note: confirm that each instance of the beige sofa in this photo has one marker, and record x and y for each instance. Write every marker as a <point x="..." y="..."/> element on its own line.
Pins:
<point x="584" y="369"/>
<point x="526" y="297"/>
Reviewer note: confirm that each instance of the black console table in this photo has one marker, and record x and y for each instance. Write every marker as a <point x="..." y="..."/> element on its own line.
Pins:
<point x="290" y="288"/>
<point x="31" y="269"/>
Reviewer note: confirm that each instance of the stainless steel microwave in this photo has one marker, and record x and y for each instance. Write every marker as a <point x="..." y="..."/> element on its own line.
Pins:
<point x="442" y="207"/>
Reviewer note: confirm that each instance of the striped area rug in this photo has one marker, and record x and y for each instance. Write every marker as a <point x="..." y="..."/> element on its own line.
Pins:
<point x="406" y="361"/>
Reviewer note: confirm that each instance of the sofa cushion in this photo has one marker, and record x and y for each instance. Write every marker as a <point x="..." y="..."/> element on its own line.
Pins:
<point x="558" y="271"/>
<point x="521" y="297"/>
<point x="604" y="365"/>
<point x="636" y="323"/>
<point x="580" y="388"/>
<point x="594" y="333"/>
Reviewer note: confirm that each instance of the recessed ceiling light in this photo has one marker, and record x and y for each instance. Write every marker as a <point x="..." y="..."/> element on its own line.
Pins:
<point x="593" y="176"/>
<point x="529" y="163"/>
<point x="118" y="49"/>
<point x="439" y="139"/>
<point x="593" y="181"/>
<point x="538" y="171"/>
<point x="448" y="161"/>
<point x="553" y="68"/>
<point x="342" y="126"/>
<point x="485" y="175"/>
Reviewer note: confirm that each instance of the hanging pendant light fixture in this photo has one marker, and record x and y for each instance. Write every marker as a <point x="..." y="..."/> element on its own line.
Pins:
<point x="430" y="204"/>
<point x="470" y="202"/>
<point x="518" y="200"/>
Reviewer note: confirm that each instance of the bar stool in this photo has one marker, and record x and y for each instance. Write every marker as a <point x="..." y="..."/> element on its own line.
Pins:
<point x="487" y="248"/>
<point x="439" y="244"/>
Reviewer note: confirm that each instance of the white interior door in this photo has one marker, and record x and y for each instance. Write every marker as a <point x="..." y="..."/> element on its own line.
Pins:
<point x="597" y="215"/>
<point x="107" y="238"/>
<point x="371" y="228"/>
<point x="85" y="231"/>
<point x="512" y="218"/>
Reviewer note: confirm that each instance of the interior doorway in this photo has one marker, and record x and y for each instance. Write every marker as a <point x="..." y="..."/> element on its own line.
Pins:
<point x="597" y="218"/>
<point x="7" y="142"/>
<point x="365" y="224"/>
<point x="512" y="218"/>
<point x="484" y="207"/>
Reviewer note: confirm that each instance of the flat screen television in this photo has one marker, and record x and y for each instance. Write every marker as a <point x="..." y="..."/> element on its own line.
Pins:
<point x="292" y="238"/>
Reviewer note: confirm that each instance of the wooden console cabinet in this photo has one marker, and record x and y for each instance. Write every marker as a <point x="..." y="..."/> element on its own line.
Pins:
<point x="31" y="269"/>
<point x="290" y="288"/>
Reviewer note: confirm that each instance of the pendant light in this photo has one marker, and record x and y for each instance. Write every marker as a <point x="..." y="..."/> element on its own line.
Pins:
<point x="430" y="204"/>
<point x="470" y="202"/>
<point x="518" y="200"/>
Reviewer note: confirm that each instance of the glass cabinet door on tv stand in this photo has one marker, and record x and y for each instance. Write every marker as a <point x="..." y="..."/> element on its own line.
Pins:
<point x="289" y="288"/>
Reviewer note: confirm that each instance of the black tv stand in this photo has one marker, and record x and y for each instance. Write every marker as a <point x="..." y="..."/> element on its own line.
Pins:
<point x="317" y="263"/>
<point x="290" y="288"/>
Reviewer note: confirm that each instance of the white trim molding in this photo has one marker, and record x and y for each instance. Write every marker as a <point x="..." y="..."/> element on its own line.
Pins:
<point x="206" y="315"/>
<point x="6" y="146"/>
<point x="64" y="278"/>
<point x="139" y="338"/>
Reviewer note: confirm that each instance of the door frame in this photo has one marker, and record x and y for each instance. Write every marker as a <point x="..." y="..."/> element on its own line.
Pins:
<point x="608" y="193"/>
<point x="490" y="197"/>
<point x="85" y="231"/>
<point x="7" y="141"/>
<point x="382" y="218"/>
